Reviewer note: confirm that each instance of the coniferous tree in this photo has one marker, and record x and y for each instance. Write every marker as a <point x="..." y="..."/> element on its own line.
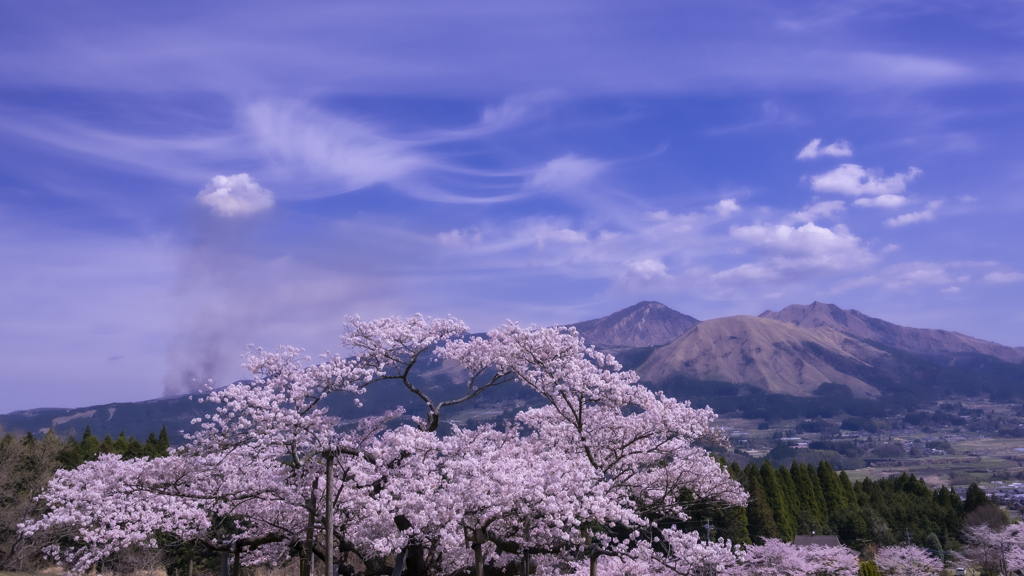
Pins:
<point x="974" y="499"/>
<point x="121" y="444"/>
<point x="819" y="495"/>
<point x="70" y="456"/>
<point x="834" y="495"/>
<point x="728" y="522"/>
<point x="733" y="520"/>
<point x="89" y="448"/>
<point x="848" y="492"/>
<point x="792" y="500"/>
<point x="163" y="442"/>
<point x="778" y="502"/>
<point x="807" y="498"/>
<point x="868" y="569"/>
<point x="151" y="448"/>
<point x="760" y="518"/>
<point x="107" y="446"/>
<point x="135" y="449"/>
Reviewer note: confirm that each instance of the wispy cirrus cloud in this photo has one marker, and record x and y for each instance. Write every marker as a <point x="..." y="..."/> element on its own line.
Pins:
<point x="352" y="153"/>
<point x="463" y="183"/>
<point x="294" y="141"/>
<point x="814" y="149"/>
<point x="566" y="172"/>
<point x="1004" y="277"/>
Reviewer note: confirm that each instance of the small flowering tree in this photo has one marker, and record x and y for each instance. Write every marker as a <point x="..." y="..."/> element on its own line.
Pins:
<point x="995" y="551"/>
<point x="777" y="558"/>
<point x="833" y="560"/>
<point x="595" y="474"/>
<point x="906" y="561"/>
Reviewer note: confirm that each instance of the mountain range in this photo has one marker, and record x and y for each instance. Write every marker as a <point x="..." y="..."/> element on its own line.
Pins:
<point x="806" y="360"/>
<point x="795" y="350"/>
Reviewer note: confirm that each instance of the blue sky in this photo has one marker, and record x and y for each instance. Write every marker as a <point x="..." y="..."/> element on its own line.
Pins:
<point x="180" y="179"/>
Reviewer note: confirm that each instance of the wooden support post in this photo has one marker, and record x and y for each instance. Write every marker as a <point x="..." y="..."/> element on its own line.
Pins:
<point x="400" y="562"/>
<point x="329" y="498"/>
<point x="238" y="560"/>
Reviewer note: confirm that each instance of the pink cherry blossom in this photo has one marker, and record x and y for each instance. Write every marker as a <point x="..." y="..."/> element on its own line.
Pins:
<point x="584" y="484"/>
<point x="906" y="561"/>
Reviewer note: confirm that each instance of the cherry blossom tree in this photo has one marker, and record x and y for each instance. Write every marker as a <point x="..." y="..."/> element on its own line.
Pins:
<point x="777" y="558"/>
<point x="906" y="561"/>
<point x="596" y="474"/>
<point x="832" y="560"/>
<point x="995" y="550"/>
<point x="637" y="444"/>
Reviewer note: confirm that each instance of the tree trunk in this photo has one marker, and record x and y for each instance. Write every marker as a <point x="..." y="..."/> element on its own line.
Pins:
<point x="414" y="561"/>
<point x="238" y="560"/>
<point x="329" y="501"/>
<point x="224" y="561"/>
<point x="478" y="559"/>
<point x="479" y="537"/>
<point x="526" y="553"/>
<point x="400" y="563"/>
<point x="306" y="562"/>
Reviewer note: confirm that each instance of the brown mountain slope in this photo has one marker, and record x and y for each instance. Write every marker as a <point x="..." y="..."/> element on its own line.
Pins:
<point x="818" y="316"/>
<point x="640" y="325"/>
<point x="763" y="352"/>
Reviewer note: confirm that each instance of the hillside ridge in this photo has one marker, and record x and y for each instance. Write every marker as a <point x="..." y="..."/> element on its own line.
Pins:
<point x="790" y="353"/>
<point x="772" y="355"/>
<point x="923" y="341"/>
<point x="643" y="324"/>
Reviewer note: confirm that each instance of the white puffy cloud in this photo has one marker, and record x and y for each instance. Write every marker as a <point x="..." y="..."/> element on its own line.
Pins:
<point x="951" y="290"/>
<point x="566" y="172"/>
<point x="236" y="195"/>
<point x="648" y="269"/>
<point x="883" y="201"/>
<point x="790" y="249"/>
<point x="819" y="210"/>
<point x="1003" y="277"/>
<point x="814" y="149"/>
<point x="855" y="180"/>
<point x="726" y="207"/>
<point x="807" y="239"/>
<point x="912" y="217"/>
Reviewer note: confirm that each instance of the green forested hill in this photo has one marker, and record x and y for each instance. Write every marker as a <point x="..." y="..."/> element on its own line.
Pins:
<point x="806" y="499"/>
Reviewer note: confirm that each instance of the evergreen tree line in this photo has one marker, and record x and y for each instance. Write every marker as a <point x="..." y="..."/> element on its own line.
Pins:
<point x="27" y="464"/>
<point x="807" y="499"/>
<point x="90" y="447"/>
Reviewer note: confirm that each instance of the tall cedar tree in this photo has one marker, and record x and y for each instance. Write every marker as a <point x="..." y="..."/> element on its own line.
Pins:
<point x="778" y="502"/>
<point x="760" y="518"/>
